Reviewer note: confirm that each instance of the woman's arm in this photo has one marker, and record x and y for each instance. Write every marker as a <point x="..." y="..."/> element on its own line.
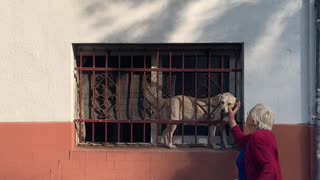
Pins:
<point x="240" y="138"/>
<point x="232" y="114"/>
<point x="238" y="135"/>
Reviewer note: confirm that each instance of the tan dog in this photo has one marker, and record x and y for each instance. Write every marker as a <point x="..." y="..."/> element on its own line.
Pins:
<point x="188" y="108"/>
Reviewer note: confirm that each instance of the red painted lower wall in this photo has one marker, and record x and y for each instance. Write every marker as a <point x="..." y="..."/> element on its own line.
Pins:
<point x="46" y="151"/>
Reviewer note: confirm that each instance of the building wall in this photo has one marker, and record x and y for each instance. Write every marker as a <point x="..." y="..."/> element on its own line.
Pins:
<point x="37" y="84"/>
<point x="37" y="63"/>
<point x="46" y="151"/>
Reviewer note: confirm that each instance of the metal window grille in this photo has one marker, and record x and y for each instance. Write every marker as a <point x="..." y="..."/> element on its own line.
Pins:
<point x="111" y="78"/>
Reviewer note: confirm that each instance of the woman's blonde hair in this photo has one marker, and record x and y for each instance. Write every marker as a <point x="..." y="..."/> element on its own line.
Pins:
<point x="262" y="117"/>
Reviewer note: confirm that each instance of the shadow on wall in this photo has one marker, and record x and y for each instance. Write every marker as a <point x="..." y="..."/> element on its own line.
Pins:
<point x="132" y="21"/>
<point x="262" y="25"/>
<point x="185" y="21"/>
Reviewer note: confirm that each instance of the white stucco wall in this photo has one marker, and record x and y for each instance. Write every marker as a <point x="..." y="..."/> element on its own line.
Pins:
<point x="36" y="70"/>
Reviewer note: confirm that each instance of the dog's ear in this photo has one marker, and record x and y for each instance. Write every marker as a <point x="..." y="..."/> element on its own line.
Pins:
<point x="220" y="96"/>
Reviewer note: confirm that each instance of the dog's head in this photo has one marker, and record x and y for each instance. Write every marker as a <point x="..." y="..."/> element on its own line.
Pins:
<point x="222" y="102"/>
<point x="227" y="100"/>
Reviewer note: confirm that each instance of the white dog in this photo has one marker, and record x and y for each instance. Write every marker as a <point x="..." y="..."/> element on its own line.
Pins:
<point x="188" y="108"/>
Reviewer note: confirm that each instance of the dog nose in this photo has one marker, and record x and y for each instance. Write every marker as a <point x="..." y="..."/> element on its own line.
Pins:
<point x="222" y="109"/>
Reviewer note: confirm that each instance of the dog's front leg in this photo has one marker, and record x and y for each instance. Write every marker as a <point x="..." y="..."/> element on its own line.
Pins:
<point x="172" y="129"/>
<point x="224" y="137"/>
<point x="165" y="136"/>
<point x="212" y="134"/>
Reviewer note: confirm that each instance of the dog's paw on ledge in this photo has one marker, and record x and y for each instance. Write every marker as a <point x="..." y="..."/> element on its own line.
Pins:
<point x="214" y="146"/>
<point x="228" y="146"/>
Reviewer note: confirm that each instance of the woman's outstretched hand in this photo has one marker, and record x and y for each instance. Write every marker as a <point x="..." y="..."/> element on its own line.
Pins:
<point x="232" y="114"/>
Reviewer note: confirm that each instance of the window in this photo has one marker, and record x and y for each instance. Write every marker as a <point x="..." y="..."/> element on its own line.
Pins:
<point x="112" y="107"/>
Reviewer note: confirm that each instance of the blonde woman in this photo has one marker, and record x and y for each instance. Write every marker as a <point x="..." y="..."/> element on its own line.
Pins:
<point x="260" y="160"/>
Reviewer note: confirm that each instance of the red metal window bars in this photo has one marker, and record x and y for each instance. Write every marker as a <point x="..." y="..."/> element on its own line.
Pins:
<point x="112" y="107"/>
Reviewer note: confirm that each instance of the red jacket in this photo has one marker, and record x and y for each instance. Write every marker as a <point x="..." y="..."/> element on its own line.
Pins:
<point x="261" y="156"/>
